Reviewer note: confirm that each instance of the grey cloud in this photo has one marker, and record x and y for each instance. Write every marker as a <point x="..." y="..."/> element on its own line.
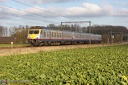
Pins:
<point x="47" y="1"/>
<point x="85" y="11"/>
<point x="8" y="13"/>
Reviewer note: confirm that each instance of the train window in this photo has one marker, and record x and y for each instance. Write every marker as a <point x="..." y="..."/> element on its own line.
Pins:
<point x="77" y="35"/>
<point x="55" y="34"/>
<point x="30" y="32"/>
<point x="52" y="34"/>
<point x="70" y="35"/>
<point x="36" y="31"/>
<point x="63" y="34"/>
<point x="60" y="34"/>
<point x="81" y="36"/>
<point x="33" y="31"/>
<point x="84" y="36"/>
<point x="48" y="34"/>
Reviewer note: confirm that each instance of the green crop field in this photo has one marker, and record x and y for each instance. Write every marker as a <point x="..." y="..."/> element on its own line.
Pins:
<point x="82" y="66"/>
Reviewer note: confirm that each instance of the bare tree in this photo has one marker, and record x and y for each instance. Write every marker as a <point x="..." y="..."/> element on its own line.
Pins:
<point x="20" y="33"/>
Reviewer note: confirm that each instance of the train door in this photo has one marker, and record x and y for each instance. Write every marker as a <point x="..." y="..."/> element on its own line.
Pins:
<point x="41" y="34"/>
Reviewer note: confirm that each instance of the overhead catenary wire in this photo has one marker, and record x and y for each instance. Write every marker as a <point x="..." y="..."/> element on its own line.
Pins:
<point x="32" y="14"/>
<point x="18" y="21"/>
<point x="17" y="17"/>
<point x="40" y="9"/>
<point x="28" y="18"/>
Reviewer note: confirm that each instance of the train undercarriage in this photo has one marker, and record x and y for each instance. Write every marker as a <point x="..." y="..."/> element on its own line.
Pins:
<point x="35" y="42"/>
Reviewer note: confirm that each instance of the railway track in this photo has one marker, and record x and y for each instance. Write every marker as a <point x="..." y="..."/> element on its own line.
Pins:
<point x="6" y="51"/>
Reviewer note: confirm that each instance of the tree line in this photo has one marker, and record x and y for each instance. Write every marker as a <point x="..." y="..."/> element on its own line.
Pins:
<point x="20" y="32"/>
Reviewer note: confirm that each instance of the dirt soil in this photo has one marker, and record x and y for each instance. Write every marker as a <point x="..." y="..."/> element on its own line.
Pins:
<point x="27" y="50"/>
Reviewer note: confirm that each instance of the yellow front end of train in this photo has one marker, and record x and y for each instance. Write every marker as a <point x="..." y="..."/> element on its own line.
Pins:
<point x="34" y="36"/>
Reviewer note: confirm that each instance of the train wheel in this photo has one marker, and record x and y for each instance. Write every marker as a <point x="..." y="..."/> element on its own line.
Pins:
<point x="36" y="43"/>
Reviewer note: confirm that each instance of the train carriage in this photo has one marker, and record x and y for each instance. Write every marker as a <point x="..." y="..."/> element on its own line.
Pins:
<point x="46" y="36"/>
<point x="66" y="37"/>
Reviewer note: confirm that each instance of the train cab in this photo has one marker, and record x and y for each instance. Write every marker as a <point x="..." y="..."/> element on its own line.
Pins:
<point x="34" y="35"/>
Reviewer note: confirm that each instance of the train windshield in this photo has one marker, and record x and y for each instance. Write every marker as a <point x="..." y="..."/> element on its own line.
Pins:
<point x="33" y="31"/>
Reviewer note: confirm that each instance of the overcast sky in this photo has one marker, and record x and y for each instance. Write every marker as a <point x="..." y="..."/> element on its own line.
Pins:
<point x="44" y="12"/>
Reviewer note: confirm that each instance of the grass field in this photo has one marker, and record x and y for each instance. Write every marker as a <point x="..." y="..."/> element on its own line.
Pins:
<point x="83" y="66"/>
<point x="15" y="45"/>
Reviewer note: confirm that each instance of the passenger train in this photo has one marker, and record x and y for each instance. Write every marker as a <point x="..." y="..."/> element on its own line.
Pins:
<point x="46" y="36"/>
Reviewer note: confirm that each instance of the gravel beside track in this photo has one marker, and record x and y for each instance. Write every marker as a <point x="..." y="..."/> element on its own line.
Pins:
<point x="7" y="51"/>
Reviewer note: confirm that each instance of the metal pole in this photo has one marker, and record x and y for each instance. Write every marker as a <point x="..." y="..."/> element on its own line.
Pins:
<point x="127" y="37"/>
<point x="89" y="26"/>
<point x="108" y="38"/>
<point x="90" y="31"/>
<point x="111" y="36"/>
<point x="61" y="26"/>
<point x="122" y="38"/>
